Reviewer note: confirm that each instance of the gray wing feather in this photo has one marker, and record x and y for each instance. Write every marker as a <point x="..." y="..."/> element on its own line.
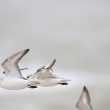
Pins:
<point x="45" y="71"/>
<point x="10" y="65"/>
<point x="84" y="102"/>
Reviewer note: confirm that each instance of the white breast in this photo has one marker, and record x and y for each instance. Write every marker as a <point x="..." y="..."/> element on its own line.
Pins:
<point x="13" y="83"/>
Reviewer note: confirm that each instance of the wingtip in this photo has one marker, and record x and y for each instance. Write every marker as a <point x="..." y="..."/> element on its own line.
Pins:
<point x="51" y="65"/>
<point x="27" y="49"/>
<point x="85" y="89"/>
<point x="54" y="60"/>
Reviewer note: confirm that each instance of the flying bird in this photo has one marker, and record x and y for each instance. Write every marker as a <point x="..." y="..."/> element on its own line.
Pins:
<point x="13" y="78"/>
<point x="46" y="77"/>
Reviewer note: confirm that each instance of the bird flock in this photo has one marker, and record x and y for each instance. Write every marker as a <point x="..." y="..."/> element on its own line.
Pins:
<point x="44" y="76"/>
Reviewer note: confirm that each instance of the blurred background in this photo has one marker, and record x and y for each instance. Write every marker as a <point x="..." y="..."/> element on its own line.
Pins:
<point x="75" y="32"/>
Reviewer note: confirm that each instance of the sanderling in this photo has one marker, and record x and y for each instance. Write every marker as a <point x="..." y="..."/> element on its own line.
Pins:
<point x="46" y="77"/>
<point x="13" y="78"/>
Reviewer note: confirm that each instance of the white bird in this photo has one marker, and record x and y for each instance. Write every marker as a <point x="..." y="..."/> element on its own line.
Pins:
<point x="13" y="78"/>
<point x="45" y="76"/>
<point x="84" y="102"/>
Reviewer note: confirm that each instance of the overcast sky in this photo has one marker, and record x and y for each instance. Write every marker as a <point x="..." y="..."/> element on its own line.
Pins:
<point x="75" y="32"/>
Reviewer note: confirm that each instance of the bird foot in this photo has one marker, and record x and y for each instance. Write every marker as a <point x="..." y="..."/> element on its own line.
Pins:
<point x="32" y="87"/>
<point x="64" y="83"/>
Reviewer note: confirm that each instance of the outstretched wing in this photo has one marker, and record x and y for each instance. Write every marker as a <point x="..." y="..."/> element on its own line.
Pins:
<point x="10" y="65"/>
<point x="45" y="71"/>
<point x="84" y="102"/>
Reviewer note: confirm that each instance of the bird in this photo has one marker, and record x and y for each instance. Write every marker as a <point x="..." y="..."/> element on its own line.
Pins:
<point x="13" y="79"/>
<point x="46" y="77"/>
<point x="84" y="102"/>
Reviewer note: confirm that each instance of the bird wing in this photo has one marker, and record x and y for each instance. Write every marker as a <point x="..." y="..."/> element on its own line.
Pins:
<point x="10" y="65"/>
<point x="84" y="102"/>
<point x="45" y="71"/>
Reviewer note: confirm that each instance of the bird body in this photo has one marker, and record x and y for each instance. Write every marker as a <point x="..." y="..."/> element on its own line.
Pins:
<point x="13" y="83"/>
